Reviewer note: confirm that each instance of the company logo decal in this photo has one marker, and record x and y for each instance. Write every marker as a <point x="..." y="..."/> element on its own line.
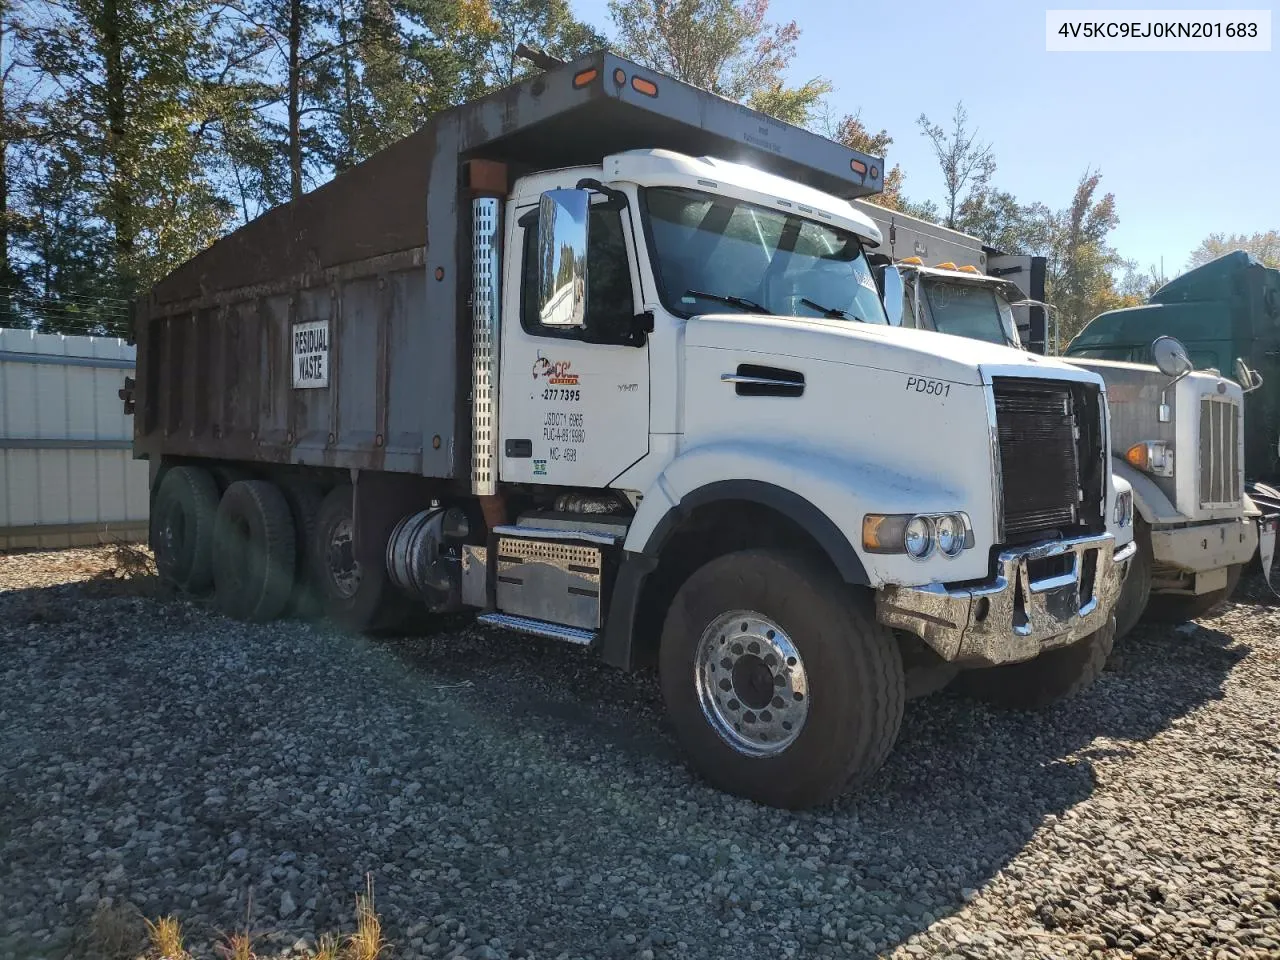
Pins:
<point x="554" y="371"/>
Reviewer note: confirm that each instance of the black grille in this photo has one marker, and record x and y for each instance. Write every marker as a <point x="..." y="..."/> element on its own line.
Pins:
<point x="1039" y="454"/>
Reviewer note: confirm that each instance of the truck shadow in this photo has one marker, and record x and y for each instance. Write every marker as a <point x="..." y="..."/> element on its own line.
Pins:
<point x="963" y="792"/>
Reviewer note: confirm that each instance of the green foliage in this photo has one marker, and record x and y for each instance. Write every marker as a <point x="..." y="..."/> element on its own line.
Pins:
<point x="1264" y="246"/>
<point x="726" y="46"/>
<point x="967" y="164"/>
<point x="853" y="133"/>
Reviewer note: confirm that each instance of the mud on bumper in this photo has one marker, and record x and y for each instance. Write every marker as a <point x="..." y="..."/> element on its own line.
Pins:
<point x="1044" y="596"/>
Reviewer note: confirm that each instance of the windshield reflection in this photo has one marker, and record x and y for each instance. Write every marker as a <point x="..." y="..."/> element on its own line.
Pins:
<point x="715" y="254"/>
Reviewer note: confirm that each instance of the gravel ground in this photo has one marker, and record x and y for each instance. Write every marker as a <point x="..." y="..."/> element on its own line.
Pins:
<point x="511" y="798"/>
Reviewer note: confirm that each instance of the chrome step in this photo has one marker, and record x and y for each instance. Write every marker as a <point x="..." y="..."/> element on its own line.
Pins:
<point x="539" y="628"/>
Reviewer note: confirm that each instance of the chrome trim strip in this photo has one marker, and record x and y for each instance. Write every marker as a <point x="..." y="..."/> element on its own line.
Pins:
<point x="997" y="475"/>
<point x="760" y="381"/>
<point x="538" y="628"/>
<point x="1125" y="552"/>
<point x="544" y="533"/>
<point x="486" y="285"/>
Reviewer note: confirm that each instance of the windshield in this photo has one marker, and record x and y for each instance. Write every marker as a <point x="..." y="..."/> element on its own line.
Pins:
<point x="713" y="253"/>
<point x="969" y="310"/>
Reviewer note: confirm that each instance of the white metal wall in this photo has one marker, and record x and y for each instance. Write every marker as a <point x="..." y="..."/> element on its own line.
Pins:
<point x="67" y="473"/>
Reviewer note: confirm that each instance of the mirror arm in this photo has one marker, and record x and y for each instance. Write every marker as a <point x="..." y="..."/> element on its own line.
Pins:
<point x="617" y="199"/>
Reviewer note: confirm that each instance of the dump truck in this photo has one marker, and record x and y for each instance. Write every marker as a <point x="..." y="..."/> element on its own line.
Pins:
<point x="1227" y="313"/>
<point x="1177" y="434"/>
<point x="600" y="358"/>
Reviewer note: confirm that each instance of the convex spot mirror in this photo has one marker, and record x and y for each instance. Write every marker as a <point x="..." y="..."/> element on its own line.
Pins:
<point x="1170" y="357"/>
<point x="562" y="257"/>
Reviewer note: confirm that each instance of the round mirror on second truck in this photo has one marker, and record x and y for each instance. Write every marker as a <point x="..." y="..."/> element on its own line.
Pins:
<point x="1171" y="357"/>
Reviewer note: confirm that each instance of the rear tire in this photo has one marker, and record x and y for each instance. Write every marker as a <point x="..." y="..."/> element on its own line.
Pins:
<point x="304" y="501"/>
<point x="1136" y="592"/>
<point x="253" y="551"/>
<point x="1177" y="608"/>
<point x="844" y="692"/>
<point x="1046" y="680"/>
<point x="182" y="521"/>
<point x="356" y="599"/>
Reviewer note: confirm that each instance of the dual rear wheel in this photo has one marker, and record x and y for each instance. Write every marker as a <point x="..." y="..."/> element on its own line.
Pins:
<point x="268" y="550"/>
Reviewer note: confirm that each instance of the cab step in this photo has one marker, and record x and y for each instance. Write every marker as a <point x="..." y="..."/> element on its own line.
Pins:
<point x="539" y="628"/>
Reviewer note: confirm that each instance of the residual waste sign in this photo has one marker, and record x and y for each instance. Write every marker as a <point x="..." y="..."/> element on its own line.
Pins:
<point x="311" y="354"/>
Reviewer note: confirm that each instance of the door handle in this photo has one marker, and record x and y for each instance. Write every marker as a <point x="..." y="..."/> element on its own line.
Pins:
<point x="753" y="380"/>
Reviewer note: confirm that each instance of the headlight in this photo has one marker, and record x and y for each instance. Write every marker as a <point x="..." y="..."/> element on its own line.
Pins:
<point x="918" y="537"/>
<point x="916" y="534"/>
<point x="950" y="532"/>
<point x="1122" y="514"/>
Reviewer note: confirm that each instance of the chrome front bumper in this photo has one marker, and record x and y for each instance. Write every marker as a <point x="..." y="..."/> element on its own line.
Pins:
<point x="1044" y="596"/>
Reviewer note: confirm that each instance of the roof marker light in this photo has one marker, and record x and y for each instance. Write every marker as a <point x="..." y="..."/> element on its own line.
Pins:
<point x="583" y="77"/>
<point x="647" y="87"/>
<point x="947" y="266"/>
<point x="858" y="167"/>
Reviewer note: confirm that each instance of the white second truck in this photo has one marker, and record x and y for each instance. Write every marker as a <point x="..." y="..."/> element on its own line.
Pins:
<point x="1178" y="435"/>
<point x="550" y="360"/>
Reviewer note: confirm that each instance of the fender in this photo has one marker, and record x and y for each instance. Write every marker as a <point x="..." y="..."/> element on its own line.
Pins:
<point x="1149" y="501"/>
<point x="825" y="495"/>
<point x="813" y="490"/>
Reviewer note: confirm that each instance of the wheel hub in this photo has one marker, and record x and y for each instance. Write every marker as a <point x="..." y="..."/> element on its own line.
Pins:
<point x="751" y="683"/>
<point x="344" y="569"/>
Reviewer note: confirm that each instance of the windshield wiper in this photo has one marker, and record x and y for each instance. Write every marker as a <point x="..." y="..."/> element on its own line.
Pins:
<point x="834" y="313"/>
<point x="740" y="302"/>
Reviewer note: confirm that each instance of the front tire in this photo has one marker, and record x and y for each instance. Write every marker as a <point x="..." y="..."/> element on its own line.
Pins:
<point x="1178" y="608"/>
<point x="1136" y="591"/>
<point x="1046" y="680"/>
<point x="780" y="684"/>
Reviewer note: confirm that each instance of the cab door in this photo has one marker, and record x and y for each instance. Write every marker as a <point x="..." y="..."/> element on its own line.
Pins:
<point x="574" y="407"/>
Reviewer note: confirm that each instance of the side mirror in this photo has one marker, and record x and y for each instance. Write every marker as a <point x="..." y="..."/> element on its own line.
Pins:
<point x="893" y="290"/>
<point x="1246" y="376"/>
<point x="562" y="257"/>
<point x="1171" y="357"/>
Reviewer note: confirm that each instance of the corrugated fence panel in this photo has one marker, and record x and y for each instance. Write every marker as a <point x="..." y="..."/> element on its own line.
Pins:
<point x="66" y="463"/>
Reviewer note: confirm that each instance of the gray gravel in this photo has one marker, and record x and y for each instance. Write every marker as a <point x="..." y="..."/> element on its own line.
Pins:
<point x="511" y="798"/>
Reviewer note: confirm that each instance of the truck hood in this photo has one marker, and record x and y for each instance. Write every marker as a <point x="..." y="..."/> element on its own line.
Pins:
<point x="917" y="353"/>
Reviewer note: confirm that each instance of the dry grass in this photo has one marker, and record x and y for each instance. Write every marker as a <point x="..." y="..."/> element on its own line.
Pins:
<point x="237" y="946"/>
<point x="366" y="943"/>
<point x="327" y="948"/>
<point x="115" y="932"/>
<point x="165" y="936"/>
<point x="130" y="560"/>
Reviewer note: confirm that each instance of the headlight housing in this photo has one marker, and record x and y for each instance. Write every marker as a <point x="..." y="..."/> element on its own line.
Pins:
<point x="917" y="534"/>
<point x="1122" y="512"/>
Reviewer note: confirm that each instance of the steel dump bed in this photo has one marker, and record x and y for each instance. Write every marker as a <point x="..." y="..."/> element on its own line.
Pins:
<point x="377" y="263"/>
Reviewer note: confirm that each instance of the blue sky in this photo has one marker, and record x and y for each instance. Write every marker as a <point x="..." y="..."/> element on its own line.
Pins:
<point x="1188" y="142"/>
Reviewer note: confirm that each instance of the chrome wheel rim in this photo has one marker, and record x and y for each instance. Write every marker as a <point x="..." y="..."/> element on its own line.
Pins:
<point x="751" y="683"/>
